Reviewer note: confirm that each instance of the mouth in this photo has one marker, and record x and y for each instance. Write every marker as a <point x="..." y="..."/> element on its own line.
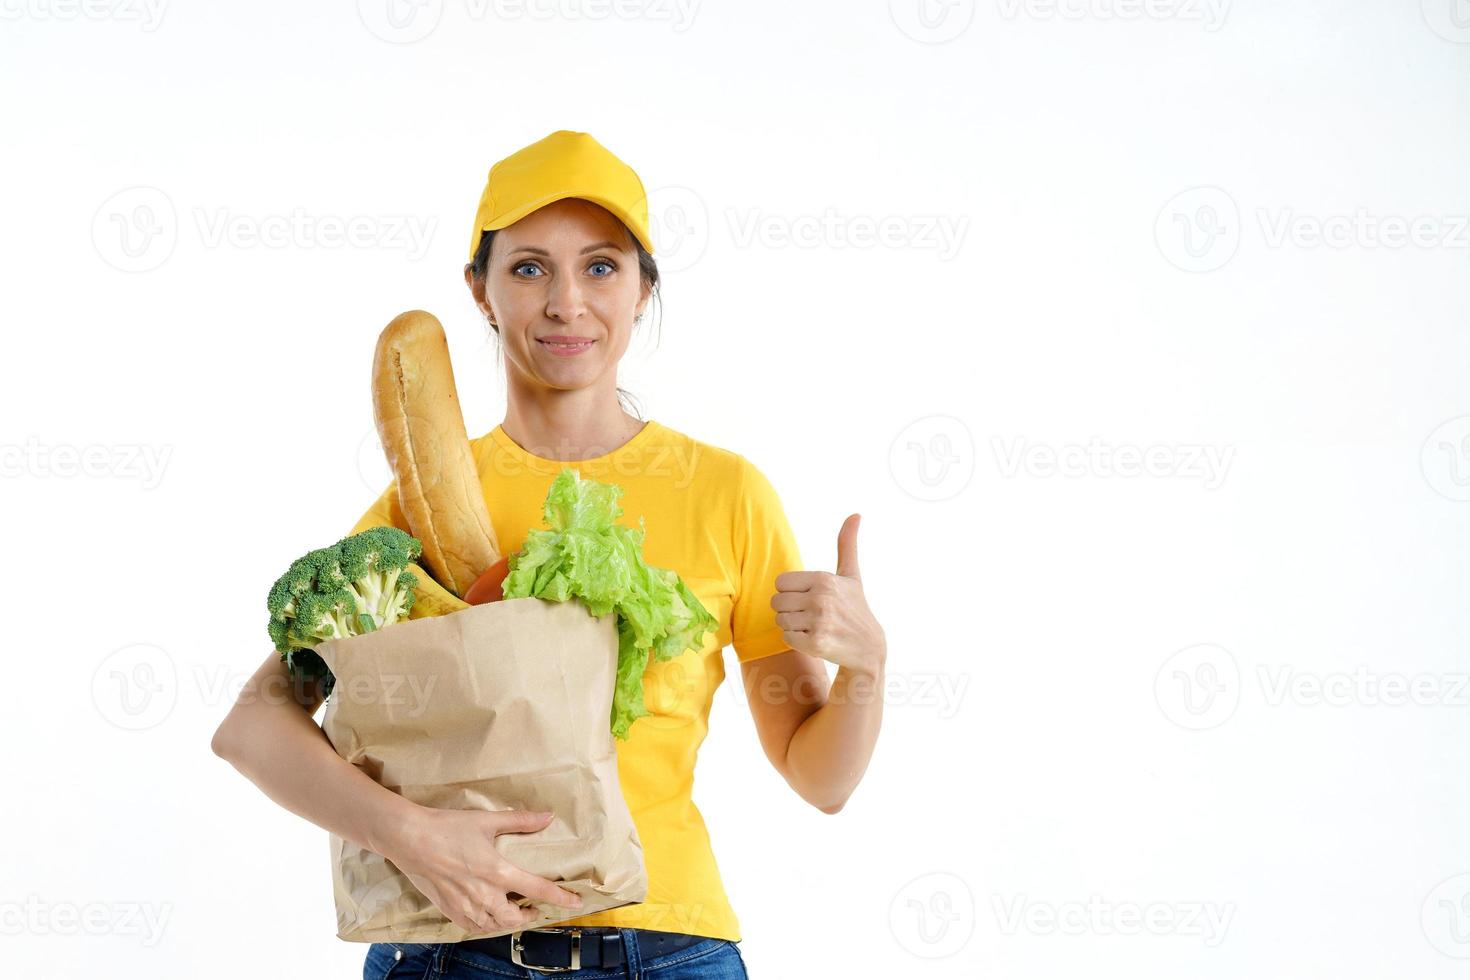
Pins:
<point x="566" y="346"/>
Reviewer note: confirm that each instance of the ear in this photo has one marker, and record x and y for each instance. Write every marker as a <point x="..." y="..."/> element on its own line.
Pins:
<point x="477" y="290"/>
<point x="644" y="292"/>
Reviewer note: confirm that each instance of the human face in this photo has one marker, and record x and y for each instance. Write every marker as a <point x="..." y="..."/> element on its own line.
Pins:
<point x="567" y="272"/>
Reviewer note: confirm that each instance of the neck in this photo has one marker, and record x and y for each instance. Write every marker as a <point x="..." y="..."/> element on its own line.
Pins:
<point x="567" y="425"/>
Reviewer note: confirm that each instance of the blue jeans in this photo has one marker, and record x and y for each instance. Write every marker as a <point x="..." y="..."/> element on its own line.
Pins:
<point x="710" y="959"/>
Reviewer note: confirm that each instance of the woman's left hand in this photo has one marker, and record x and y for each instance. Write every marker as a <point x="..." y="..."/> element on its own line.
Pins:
<point x="826" y="615"/>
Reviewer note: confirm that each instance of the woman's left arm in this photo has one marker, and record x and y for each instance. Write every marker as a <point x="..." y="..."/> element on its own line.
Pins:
<point x="821" y="739"/>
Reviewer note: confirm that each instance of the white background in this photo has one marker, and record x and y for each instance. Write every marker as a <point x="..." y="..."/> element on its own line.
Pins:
<point x="1200" y="720"/>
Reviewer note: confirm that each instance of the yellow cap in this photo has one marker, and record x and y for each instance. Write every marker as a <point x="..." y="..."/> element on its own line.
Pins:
<point x="564" y="164"/>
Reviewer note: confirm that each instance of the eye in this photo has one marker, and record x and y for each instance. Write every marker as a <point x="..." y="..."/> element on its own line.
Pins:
<point x="604" y="264"/>
<point x="525" y="265"/>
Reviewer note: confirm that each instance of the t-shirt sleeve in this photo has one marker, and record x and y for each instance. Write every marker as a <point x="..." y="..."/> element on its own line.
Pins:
<point x="385" y="512"/>
<point x="765" y="547"/>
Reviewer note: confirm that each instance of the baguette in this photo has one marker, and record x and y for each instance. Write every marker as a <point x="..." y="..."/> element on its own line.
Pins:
<point x="422" y="431"/>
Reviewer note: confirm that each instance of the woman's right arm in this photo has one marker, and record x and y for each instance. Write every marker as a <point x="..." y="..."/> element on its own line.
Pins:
<point x="271" y="738"/>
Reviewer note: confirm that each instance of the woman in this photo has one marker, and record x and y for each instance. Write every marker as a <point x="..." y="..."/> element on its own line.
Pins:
<point x="561" y="267"/>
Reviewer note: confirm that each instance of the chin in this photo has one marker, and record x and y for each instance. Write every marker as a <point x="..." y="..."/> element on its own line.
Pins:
<point x="573" y="376"/>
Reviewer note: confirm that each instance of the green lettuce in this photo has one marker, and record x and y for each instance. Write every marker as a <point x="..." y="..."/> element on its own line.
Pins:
<point x="585" y="554"/>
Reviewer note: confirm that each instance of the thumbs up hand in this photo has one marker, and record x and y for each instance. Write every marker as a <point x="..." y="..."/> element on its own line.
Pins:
<point x="826" y="615"/>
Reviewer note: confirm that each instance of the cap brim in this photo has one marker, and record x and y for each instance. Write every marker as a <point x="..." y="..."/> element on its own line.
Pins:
<point x="516" y="214"/>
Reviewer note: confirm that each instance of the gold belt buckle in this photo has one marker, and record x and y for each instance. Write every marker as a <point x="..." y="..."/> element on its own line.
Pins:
<point x="516" y="947"/>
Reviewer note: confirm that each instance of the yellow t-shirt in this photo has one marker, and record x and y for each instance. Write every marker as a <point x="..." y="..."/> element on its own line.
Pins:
<point x="712" y="517"/>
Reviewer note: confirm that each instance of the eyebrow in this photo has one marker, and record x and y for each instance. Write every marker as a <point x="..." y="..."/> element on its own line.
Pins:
<point x="590" y="248"/>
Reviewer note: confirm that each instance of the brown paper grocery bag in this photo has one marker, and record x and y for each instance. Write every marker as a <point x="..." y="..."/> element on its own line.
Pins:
<point x="499" y="706"/>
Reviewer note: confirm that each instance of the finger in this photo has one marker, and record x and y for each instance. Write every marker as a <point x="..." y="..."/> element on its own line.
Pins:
<point x="453" y="904"/>
<point x="541" y="889"/>
<point x="487" y="901"/>
<point x="847" y="550"/>
<point x="520" y="821"/>
<point x="802" y="620"/>
<point x="509" y="915"/>
<point x="457" y="910"/>
<point x="790" y="601"/>
<point x="797" y="581"/>
<point x="473" y="917"/>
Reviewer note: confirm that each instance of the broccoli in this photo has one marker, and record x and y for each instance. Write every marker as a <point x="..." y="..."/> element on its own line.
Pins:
<point x="358" y="585"/>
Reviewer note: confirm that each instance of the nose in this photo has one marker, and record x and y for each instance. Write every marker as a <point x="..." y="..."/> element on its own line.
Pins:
<point x="564" y="299"/>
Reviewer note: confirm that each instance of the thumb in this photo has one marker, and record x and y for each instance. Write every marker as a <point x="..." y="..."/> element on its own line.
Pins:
<point x="847" y="555"/>
<point x="522" y="821"/>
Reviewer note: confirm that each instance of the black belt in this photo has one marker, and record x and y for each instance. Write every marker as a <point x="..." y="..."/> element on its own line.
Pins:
<point x="573" y="947"/>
